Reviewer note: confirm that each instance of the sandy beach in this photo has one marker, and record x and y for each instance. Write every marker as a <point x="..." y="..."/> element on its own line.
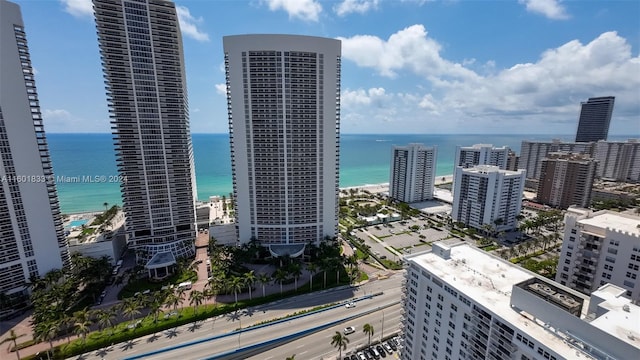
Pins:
<point x="384" y="187"/>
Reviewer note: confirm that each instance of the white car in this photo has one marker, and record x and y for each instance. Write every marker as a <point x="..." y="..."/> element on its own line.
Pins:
<point x="349" y="330"/>
<point x="350" y="305"/>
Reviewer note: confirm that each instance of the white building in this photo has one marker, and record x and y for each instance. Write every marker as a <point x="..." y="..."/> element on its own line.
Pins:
<point x="482" y="154"/>
<point x="283" y="94"/>
<point x="600" y="247"/>
<point x="486" y="194"/>
<point x="619" y="160"/>
<point x="32" y="240"/>
<point x="141" y="51"/>
<point x="413" y="172"/>
<point x="462" y="303"/>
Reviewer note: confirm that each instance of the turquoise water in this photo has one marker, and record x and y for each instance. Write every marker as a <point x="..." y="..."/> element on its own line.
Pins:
<point x="364" y="159"/>
<point x="77" y="223"/>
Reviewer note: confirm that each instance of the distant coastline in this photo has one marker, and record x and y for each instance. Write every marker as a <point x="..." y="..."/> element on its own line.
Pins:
<point x="363" y="161"/>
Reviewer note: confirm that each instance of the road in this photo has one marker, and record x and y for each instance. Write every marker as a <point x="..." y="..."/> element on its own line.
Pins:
<point x="231" y="322"/>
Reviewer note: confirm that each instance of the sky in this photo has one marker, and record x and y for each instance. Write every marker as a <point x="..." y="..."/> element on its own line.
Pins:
<point x="408" y="66"/>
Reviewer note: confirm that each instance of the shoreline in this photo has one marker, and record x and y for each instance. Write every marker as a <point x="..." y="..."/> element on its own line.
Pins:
<point x="374" y="188"/>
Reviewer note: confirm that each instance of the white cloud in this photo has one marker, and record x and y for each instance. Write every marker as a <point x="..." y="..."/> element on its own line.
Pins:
<point x="307" y="10"/>
<point x="56" y="114"/>
<point x="221" y="89"/>
<point x="78" y="8"/>
<point x="355" y="6"/>
<point x="549" y="8"/>
<point x="409" y="48"/>
<point x="540" y="96"/>
<point x="189" y="24"/>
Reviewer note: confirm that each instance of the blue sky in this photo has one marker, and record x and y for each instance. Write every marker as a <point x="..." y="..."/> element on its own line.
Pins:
<point x="412" y="66"/>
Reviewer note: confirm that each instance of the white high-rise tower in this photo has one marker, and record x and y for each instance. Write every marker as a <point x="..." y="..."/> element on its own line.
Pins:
<point x="283" y="94"/>
<point x="141" y="49"/>
<point x="32" y="240"/>
<point x="413" y="172"/>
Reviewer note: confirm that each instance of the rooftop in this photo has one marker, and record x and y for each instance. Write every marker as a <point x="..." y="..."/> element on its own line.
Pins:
<point x="612" y="220"/>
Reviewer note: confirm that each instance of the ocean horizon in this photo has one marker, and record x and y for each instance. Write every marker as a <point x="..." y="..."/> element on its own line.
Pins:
<point x="85" y="167"/>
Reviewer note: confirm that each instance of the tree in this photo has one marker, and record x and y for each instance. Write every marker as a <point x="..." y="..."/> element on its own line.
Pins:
<point x="280" y="276"/>
<point x="368" y="329"/>
<point x="106" y="205"/>
<point x="130" y="308"/>
<point x="82" y="324"/>
<point x="312" y="268"/>
<point x="296" y="270"/>
<point x="236" y="284"/>
<point x="264" y="279"/>
<point x="292" y="357"/>
<point x="155" y="308"/>
<point x="172" y="300"/>
<point x="196" y="297"/>
<point x="105" y="320"/>
<point x="249" y="280"/>
<point x="47" y="331"/>
<point x="339" y="341"/>
<point x="13" y="337"/>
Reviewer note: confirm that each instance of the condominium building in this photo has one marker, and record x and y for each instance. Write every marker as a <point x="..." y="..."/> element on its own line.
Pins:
<point x="532" y="153"/>
<point x="283" y="94"/>
<point x="619" y="160"/>
<point x="513" y="161"/>
<point x="566" y="179"/>
<point x="486" y="195"/>
<point x="463" y="303"/>
<point x="482" y="154"/>
<point x="600" y="247"/>
<point x="413" y="172"/>
<point x="595" y="117"/>
<point x="142" y="58"/>
<point x="32" y="240"/>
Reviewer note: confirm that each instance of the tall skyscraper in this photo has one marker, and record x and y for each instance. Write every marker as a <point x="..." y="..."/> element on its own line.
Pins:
<point x="283" y="94"/>
<point x="595" y="117"/>
<point x="141" y="48"/>
<point x="482" y="154"/>
<point x="598" y="248"/>
<point x="32" y="240"/>
<point x="463" y="303"/>
<point x="486" y="195"/>
<point x="413" y="172"/>
<point x="566" y="179"/>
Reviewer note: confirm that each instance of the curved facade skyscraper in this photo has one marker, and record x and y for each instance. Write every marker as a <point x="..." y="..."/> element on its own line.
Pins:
<point x="283" y="95"/>
<point x="141" y="48"/>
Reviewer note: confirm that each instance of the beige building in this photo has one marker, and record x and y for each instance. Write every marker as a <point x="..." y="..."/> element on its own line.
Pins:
<point x="566" y="179"/>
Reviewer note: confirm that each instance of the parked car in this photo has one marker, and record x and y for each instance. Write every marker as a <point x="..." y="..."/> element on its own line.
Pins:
<point x="381" y="351"/>
<point x="390" y="347"/>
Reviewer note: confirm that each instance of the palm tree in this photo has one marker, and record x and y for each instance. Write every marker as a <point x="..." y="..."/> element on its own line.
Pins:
<point x="249" y="280"/>
<point x="279" y="276"/>
<point x="236" y="284"/>
<point x="130" y="308"/>
<point x="339" y="341"/>
<point x="155" y="308"/>
<point x="312" y="268"/>
<point x="368" y="329"/>
<point x="264" y="279"/>
<point x="325" y="265"/>
<point x="106" y="205"/>
<point x="47" y="331"/>
<point x="196" y="297"/>
<point x="180" y="292"/>
<point x="105" y="320"/>
<point x="296" y="270"/>
<point x="292" y="357"/>
<point x="172" y="300"/>
<point x="13" y="337"/>
<point x="82" y="324"/>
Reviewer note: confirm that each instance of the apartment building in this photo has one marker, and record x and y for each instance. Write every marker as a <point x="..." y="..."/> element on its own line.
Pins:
<point x="482" y="154"/>
<point x="598" y="248"/>
<point x="532" y="153"/>
<point x="283" y="95"/>
<point x="142" y="58"/>
<point x="463" y="303"/>
<point x="618" y="160"/>
<point x="413" y="172"/>
<point x="566" y="179"/>
<point x="485" y="194"/>
<point x="32" y="240"/>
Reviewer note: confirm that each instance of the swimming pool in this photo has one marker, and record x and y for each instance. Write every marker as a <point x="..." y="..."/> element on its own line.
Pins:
<point x="77" y="223"/>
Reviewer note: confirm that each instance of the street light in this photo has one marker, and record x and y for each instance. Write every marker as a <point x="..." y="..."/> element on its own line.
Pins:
<point x="382" y="329"/>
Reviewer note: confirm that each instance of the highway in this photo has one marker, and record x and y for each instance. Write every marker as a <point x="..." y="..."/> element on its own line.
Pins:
<point x="226" y="324"/>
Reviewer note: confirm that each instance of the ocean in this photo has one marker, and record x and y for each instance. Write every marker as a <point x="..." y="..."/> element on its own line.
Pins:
<point x="364" y="159"/>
